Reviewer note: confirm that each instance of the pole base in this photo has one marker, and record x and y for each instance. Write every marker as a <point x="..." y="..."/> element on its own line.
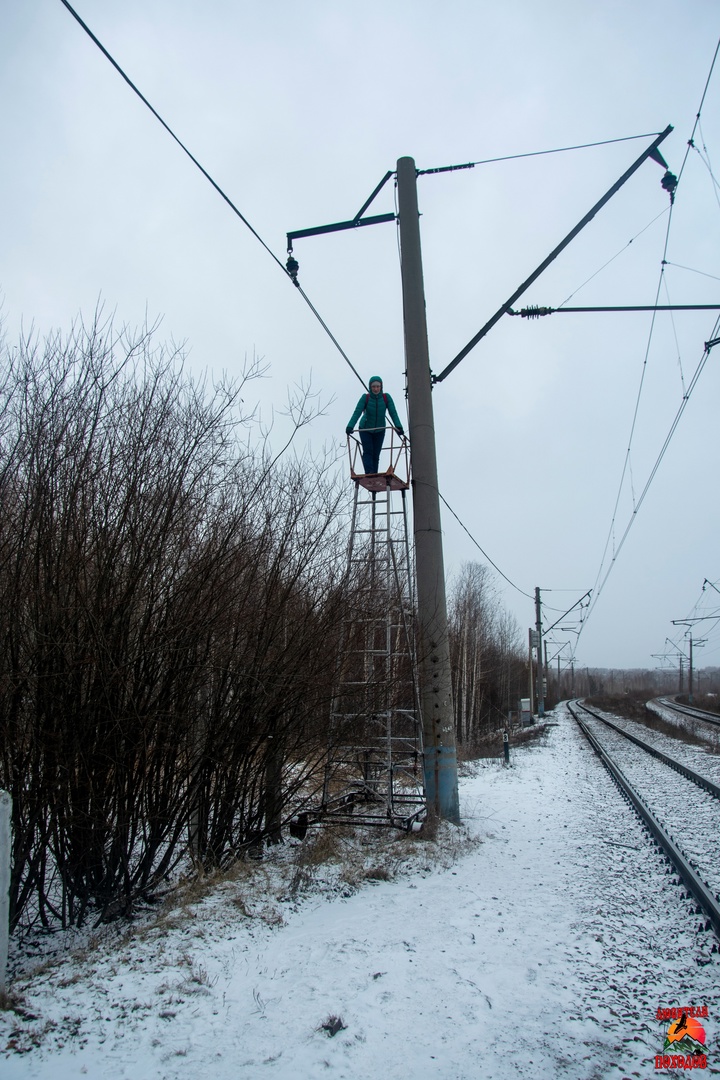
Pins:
<point x="441" y="789"/>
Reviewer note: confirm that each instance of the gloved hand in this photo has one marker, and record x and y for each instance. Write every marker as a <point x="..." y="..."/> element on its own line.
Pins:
<point x="348" y="431"/>
<point x="399" y="431"/>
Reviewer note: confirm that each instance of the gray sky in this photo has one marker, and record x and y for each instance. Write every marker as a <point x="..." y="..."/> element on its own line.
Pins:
<point x="297" y="111"/>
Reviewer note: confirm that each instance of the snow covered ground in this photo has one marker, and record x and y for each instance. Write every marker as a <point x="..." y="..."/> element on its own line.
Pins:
<point x="704" y="758"/>
<point x="537" y="941"/>
<point x="709" y="731"/>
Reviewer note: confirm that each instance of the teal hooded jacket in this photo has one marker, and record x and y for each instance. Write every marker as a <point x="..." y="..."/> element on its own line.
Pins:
<point x="373" y="410"/>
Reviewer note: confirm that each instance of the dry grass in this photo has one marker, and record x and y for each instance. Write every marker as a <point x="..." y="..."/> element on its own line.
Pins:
<point x="346" y="859"/>
<point x="271" y="915"/>
<point x="239" y="902"/>
<point x="628" y="705"/>
<point x="429" y="830"/>
<point x="322" y="846"/>
<point x="329" y="861"/>
<point x="634" y="708"/>
<point x="378" y="873"/>
<point x="332" y="1025"/>
<point x="9" y="1001"/>
<point x="492" y="745"/>
<point x="198" y="981"/>
<point x="684" y="734"/>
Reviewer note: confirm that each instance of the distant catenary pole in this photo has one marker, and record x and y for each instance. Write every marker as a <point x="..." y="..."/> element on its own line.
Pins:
<point x="538" y="628"/>
<point x="440" y="760"/>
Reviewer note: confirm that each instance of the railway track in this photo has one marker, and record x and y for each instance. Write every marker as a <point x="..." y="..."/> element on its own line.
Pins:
<point x="679" y="806"/>
<point x="689" y="710"/>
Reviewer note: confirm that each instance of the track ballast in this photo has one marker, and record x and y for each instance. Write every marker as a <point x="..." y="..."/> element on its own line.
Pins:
<point x="679" y="806"/>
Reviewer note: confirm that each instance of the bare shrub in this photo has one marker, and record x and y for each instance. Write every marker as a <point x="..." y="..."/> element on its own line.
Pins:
<point x="170" y="604"/>
<point x="332" y="1025"/>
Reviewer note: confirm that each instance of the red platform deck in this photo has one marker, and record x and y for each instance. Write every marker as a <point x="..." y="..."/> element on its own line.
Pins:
<point x="380" y="481"/>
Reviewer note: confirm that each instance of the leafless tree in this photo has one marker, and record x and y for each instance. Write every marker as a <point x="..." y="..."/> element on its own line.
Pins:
<point x="170" y="610"/>
<point x="485" y="655"/>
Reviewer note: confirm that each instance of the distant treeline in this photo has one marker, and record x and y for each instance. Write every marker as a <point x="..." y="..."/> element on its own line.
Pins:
<point x="643" y="682"/>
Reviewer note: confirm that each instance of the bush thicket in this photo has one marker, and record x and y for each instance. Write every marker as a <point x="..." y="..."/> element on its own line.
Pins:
<point x="170" y="602"/>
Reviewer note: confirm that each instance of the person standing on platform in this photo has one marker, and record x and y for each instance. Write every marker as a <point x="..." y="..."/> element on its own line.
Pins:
<point x="373" y="407"/>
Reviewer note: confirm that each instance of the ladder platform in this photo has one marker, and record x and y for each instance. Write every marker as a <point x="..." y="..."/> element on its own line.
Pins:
<point x="373" y="769"/>
<point x="380" y="481"/>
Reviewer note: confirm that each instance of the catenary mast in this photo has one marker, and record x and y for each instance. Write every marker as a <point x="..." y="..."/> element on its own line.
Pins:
<point x="440" y="761"/>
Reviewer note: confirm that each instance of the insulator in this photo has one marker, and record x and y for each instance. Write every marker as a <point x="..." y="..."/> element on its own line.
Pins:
<point x="292" y="266"/>
<point x="669" y="183"/>
<point x="535" y="312"/>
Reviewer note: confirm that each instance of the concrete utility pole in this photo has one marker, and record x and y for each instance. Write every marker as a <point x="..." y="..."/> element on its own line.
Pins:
<point x="440" y="761"/>
<point x="531" y="680"/>
<point x="538" y="628"/>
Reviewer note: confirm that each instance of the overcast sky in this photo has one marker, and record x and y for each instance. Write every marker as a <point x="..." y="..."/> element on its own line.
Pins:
<point x="297" y="111"/>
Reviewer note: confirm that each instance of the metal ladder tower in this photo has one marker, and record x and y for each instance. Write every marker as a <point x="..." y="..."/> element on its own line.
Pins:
<point x="374" y="768"/>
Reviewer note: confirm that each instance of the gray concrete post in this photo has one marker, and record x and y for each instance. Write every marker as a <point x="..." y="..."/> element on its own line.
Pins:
<point x="440" y="761"/>
<point x="538" y="628"/>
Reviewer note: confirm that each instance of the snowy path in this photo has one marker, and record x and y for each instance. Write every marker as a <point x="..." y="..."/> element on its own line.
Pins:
<point x="542" y="952"/>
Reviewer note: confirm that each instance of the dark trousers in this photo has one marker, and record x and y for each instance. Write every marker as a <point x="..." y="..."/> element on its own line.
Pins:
<point x="371" y="446"/>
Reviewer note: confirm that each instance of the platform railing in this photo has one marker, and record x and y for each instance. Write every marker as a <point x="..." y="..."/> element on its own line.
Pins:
<point x="394" y="456"/>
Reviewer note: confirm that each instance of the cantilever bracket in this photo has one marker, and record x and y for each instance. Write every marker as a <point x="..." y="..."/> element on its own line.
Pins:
<point x="338" y="226"/>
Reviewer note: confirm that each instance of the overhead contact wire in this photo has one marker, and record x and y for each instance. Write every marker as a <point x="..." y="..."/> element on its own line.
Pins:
<point x="169" y="130"/>
<point x="612" y="259"/>
<point x="597" y="591"/>
<point x="626" y="463"/>
<point x="206" y="174"/>
<point x="330" y="334"/>
<point x="661" y="455"/>
<point x="482" y="552"/>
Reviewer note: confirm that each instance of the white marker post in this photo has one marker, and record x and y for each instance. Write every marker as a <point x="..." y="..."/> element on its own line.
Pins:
<point x="5" y="816"/>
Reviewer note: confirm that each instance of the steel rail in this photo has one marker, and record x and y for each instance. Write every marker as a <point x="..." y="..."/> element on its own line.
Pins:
<point x="688" y="710"/>
<point x="684" y="770"/>
<point x="700" y="890"/>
